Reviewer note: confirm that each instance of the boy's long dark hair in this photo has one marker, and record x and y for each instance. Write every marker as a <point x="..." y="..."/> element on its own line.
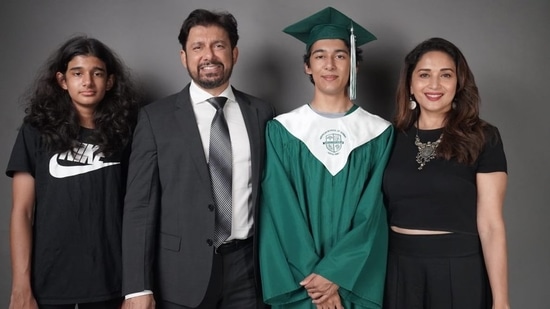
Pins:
<point x="49" y="108"/>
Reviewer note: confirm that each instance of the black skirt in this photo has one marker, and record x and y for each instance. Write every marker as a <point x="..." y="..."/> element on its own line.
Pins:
<point x="436" y="272"/>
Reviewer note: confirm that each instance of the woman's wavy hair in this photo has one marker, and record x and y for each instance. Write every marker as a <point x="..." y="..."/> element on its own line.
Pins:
<point x="464" y="131"/>
<point x="49" y="108"/>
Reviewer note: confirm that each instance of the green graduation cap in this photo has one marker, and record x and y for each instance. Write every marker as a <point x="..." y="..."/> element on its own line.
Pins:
<point x="330" y="23"/>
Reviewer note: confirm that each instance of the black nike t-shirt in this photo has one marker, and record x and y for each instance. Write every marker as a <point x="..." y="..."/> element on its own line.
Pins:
<point x="78" y="217"/>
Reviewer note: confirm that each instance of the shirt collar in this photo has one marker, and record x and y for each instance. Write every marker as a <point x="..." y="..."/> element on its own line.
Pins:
<point x="198" y="95"/>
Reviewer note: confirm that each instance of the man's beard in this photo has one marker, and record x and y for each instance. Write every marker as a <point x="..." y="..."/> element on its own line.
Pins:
<point x="207" y="82"/>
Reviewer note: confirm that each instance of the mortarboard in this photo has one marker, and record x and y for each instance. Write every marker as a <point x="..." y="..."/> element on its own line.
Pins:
<point x="330" y="23"/>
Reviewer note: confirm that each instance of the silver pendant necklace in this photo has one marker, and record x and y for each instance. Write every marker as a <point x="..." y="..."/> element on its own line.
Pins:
<point x="426" y="151"/>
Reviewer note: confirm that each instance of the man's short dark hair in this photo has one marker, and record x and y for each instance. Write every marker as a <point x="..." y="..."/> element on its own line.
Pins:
<point x="202" y="17"/>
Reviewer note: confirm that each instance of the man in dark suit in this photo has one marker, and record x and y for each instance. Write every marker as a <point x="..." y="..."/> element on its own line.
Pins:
<point x="171" y="256"/>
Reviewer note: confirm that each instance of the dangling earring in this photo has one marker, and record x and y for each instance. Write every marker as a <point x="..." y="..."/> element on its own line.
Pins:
<point x="453" y="106"/>
<point x="412" y="102"/>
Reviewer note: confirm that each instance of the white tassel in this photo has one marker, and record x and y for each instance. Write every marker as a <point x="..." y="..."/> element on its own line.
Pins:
<point x="353" y="67"/>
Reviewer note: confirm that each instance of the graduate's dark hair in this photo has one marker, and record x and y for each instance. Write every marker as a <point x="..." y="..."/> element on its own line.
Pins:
<point x="49" y="108"/>
<point x="358" y="58"/>
<point x="464" y="132"/>
<point x="202" y="17"/>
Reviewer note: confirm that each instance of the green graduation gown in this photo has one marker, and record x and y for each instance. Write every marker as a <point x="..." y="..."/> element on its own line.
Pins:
<point x="322" y="209"/>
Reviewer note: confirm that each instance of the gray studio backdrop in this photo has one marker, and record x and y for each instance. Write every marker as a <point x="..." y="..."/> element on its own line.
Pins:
<point x="506" y="44"/>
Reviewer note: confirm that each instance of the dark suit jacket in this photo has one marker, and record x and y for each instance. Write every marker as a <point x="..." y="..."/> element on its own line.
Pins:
<point x="168" y="218"/>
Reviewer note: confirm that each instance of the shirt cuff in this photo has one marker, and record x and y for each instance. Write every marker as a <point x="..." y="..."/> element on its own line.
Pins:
<point x="142" y="293"/>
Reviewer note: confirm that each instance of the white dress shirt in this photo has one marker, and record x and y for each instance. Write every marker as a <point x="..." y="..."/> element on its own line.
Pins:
<point x="243" y="216"/>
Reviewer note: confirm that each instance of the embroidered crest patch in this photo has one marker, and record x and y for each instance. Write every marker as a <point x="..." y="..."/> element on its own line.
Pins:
<point x="333" y="141"/>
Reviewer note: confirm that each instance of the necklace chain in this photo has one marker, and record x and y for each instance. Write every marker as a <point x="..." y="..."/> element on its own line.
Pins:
<point x="426" y="151"/>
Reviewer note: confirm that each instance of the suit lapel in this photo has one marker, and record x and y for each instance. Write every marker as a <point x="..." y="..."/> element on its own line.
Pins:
<point x="191" y="139"/>
<point x="250" y="115"/>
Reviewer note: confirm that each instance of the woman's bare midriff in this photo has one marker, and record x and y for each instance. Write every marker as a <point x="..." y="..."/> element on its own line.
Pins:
<point x="401" y="230"/>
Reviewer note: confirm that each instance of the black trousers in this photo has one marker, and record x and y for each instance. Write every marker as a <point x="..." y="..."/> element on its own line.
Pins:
<point x="232" y="284"/>
<point x="436" y="272"/>
<point x="110" y="304"/>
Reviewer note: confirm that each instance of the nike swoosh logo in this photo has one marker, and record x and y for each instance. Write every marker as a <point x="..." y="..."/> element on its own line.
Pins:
<point x="61" y="171"/>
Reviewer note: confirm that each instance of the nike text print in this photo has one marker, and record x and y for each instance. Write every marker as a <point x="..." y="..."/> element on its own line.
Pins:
<point x="80" y="161"/>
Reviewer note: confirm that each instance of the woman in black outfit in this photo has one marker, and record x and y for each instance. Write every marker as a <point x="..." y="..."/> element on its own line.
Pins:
<point x="444" y="185"/>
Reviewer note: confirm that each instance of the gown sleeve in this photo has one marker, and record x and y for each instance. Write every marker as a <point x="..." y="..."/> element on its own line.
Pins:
<point x="287" y="252"/>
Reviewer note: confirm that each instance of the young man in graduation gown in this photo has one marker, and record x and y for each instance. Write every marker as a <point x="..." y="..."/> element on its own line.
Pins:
<point x="323" y="229"/>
